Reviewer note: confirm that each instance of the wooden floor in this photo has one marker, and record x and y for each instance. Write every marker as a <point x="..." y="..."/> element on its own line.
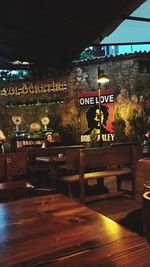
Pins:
<point x="115" y="208"/>
<point x="123" y="210"/>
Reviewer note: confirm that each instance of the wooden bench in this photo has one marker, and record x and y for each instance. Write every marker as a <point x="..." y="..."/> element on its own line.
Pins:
<point x="98" y="163"/>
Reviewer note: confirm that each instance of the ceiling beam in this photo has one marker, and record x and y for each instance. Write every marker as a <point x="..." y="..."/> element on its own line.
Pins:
<point x="138" y="19"/>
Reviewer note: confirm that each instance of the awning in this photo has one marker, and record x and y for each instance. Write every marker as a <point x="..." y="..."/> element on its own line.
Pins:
<point x="135" y="29"/>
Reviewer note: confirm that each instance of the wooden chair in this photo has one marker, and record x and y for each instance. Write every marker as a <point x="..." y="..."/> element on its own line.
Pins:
<point x="16" y="165"/>
<point x="16" y="170"/>
<point x="12" y="190"/>
<point x="16" y="190"/>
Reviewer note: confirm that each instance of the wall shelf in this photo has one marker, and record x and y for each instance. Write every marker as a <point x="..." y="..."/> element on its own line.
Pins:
<point x="22" y="142"/>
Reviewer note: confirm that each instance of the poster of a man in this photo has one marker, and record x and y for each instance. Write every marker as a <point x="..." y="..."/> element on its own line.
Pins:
<point x="97" y="118"/>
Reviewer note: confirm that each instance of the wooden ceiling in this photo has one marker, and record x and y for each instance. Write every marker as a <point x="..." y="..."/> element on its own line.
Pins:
<point x="53" y="33"/>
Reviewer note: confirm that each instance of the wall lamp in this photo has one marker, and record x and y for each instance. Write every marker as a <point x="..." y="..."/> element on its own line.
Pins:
<point x="102" y="78"/>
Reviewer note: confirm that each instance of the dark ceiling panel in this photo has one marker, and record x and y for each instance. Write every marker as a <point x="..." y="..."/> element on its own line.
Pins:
<point x="53" y="33"/>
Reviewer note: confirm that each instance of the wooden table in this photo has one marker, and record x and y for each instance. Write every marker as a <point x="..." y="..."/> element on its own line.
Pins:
<point x="54" y="162"/>
<point x="57" y="231"/>
<point x="51" y="159"/>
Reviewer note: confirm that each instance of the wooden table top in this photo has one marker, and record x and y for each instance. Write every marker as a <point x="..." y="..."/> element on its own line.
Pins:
<point x="57" y="231"/>
<point x="51" y="159"/>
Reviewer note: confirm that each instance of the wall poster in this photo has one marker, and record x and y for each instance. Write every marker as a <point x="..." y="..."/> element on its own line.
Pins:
<point x="89" y="115"/>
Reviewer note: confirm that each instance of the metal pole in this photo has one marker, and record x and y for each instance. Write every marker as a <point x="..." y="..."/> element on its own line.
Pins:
<point x="100" y="120"/>
<point x="99" y="107"/>
<point x="102" y="79"/>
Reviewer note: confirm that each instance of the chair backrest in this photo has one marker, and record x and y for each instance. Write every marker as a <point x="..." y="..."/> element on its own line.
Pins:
<point x="16" y="190"/>
<point x="72" y="159"/>
<point x="13" y="185"/>
<point x="16" y="164"/>
<point x="32" y="153"/>
<point x="13" y="190"/>
<point x="95" y="158"/>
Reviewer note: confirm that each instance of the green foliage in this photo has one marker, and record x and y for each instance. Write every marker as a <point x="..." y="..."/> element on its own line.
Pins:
<point x="119" y="130"/>
<point x="138" y="126"/>
<point x="69" y="133"/>
<point x="130" y="120"/>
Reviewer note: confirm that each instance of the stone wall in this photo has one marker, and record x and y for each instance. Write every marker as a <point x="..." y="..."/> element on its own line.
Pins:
<point x="123" y="71"/>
